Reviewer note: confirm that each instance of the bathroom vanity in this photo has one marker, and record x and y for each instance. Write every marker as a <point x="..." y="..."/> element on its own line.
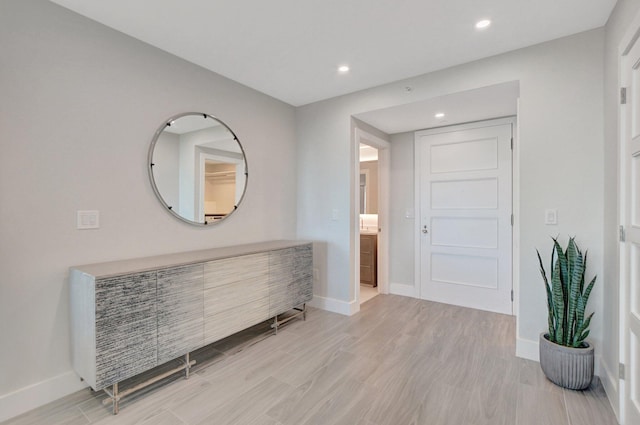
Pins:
<point x="369" y="258"/>
<point x="129" y="316"/>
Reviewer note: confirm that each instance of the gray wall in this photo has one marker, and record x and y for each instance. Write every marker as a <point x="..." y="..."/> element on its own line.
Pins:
<point x="616" y="27"/>
<point x="402" y="233"/>
<point x="80" y="104"/>
<point x="561" y="146"/>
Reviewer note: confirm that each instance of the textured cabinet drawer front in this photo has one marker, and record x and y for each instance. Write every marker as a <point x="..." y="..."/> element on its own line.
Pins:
<point x="121" y="296"/>
<point x="124" y="351"/>
<point x="281" y="260"/>
<point x="231" y="296"/>
<point x="227" y="323"/>
<point x="237" y="269"/>
<point x="180" y="311"/>
<point x="290" y="278"/>
<point x="303" y="292"/>
<point x="126" y="330"/>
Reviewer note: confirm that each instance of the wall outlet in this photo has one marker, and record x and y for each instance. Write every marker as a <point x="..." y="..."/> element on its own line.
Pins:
<point x="334" y="214"/>
<point x="88" y="220"/>
<point x="551" y="216"/>
<point x="316" y="274"/>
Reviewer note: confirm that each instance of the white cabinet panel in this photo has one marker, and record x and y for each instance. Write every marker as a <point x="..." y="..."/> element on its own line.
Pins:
<point x="229" y="270"/>
<point x="228" y="322"/>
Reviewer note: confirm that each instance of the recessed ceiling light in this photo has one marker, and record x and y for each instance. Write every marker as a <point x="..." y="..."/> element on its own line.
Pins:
<point x="483" y="24"/>
<point x="343" y="68"/>
<point x="439" y="115"/>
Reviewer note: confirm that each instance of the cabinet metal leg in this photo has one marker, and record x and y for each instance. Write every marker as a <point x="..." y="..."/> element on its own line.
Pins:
<point x="115" y="395"/>
<point x="187" y="366"/>
<point x="300" y="312"/>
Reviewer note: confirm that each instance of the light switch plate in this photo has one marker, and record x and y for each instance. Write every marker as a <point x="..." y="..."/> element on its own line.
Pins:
<point x="88" y="220"/>
<point x="550" y="216"/>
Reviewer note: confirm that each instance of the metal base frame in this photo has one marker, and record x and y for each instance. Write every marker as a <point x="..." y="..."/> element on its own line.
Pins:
<point x="300" y="312"/>
<point x="115" y="396"/>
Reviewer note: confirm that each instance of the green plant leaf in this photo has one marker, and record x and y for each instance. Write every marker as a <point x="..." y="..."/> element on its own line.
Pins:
<point x="563" y="280"/>
<point x="582" y="333"/>
<point x="575" y="266"/>
<point x="587" y="292"/>
<point x="558" y="303"/>
<point x="552" y="331"/>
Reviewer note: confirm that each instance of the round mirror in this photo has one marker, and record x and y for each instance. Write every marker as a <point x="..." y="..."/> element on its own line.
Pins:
<point x="197" y="168"/>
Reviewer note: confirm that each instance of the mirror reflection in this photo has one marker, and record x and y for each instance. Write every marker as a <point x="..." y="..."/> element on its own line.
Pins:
<point x="197" y="168"/>
<point x="368" y="180"/>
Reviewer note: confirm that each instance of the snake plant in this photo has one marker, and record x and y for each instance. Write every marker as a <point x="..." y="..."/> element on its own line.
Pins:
<point x="566" y="295"/>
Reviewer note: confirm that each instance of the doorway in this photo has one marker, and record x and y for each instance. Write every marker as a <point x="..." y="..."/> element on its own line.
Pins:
<point x="369" y="195"/>
<point x="464" y="198"/>
<point x="371" y="216"/>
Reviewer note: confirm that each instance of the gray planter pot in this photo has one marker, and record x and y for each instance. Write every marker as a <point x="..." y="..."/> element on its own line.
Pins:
<point x="566" y="366"/>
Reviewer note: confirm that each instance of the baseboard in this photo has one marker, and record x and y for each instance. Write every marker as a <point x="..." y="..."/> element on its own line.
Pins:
<point x="402" y="289"/>
<point x="527" y="349"/>
<point x="348" y="308"/>
<point x="611" y="388"/>
<point x="38" y="394"/>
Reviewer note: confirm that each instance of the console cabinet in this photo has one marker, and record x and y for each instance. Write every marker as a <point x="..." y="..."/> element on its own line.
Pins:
<point x="130" y="316"/>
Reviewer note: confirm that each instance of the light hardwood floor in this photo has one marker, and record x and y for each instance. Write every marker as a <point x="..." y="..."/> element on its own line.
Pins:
<point x="366" y="293"/>
<point x="399" y="361"/>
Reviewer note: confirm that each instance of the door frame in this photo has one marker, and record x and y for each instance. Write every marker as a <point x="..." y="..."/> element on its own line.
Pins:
<point x="384" y="165"/>
<point x="515" y="205"/>
<point x="631" y="37"/>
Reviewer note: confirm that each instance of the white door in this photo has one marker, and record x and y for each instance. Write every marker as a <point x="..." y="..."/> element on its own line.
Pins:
<point x="630" y="169"/>
<point x="464" y="190"/>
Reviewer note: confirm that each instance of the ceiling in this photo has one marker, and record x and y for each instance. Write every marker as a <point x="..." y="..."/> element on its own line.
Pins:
<point x="291" y="49"/>
<point x="500" y="100"/>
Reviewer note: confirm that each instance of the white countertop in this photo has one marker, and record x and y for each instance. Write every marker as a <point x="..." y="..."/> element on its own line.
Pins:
<point x="138" y="265"/>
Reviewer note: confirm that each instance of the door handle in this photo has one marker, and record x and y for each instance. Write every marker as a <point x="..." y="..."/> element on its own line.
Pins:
<point x="424" y="229"/>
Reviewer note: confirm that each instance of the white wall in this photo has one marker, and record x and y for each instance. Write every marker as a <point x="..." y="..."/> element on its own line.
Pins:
<point x="80" y="105"/>
<point x="615" y="29"/>
<point x="561" y="131"/>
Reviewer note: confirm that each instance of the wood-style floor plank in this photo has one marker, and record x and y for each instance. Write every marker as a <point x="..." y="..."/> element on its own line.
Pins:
<point x="590" y="407"/>
<point x="540" y="407"/>
<point x="400" y="361"/>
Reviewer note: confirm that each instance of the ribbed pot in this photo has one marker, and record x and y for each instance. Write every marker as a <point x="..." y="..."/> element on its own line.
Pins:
<point x="567" y="367"/>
